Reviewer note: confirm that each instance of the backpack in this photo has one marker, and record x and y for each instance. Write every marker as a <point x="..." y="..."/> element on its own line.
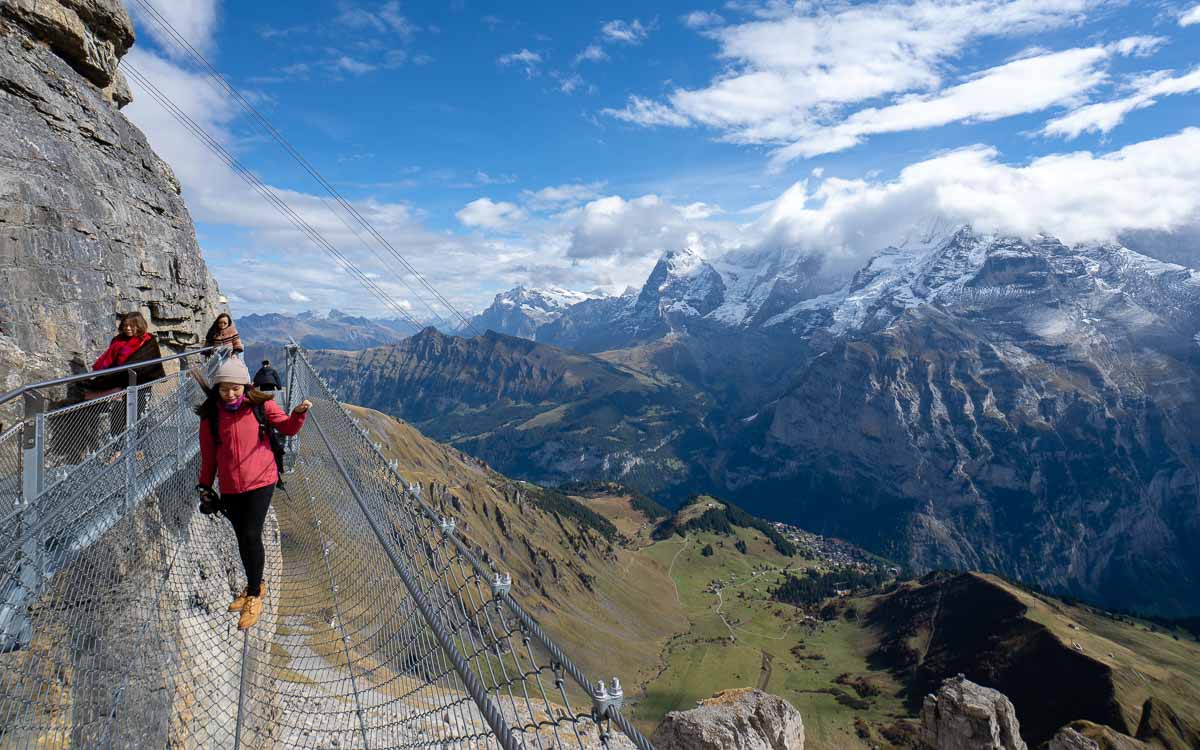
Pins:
<point x="273" y="436"/>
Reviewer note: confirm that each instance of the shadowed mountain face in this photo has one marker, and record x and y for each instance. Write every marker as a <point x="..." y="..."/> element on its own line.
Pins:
<point x="541" y="412"/>
<point x="1057" y="663"/>
<point x="974" y="401"/>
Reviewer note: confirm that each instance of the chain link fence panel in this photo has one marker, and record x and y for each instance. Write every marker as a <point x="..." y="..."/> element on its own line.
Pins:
<point x="382" y="629"/>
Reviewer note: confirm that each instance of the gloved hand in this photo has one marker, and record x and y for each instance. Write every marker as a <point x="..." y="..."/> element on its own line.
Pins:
<point x="208" y="499"/>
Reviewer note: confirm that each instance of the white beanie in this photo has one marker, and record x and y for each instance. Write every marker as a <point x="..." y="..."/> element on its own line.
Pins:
<point x="232" y="371"/>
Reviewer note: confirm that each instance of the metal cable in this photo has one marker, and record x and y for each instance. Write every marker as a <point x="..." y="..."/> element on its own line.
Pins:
<point x="225" y="87"/>
<point x="380" y="630"/>
<point x="271" y="196"/>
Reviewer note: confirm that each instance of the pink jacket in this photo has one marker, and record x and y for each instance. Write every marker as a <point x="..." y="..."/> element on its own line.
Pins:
<point x="243" y="461"/>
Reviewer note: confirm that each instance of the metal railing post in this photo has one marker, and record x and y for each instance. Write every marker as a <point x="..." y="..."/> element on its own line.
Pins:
<point x="33" y="482"/>
<point x="180" y="410"/>
<point x="288" y="399"/>
<point x="131" y="415"/>
<point x="33" y="448"/>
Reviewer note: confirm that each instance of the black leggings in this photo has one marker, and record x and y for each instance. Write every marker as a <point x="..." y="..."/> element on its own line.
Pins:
<point x="247" y="511"/>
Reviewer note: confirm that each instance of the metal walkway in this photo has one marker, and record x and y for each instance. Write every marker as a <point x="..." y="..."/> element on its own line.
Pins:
<point x="382" y="629"/>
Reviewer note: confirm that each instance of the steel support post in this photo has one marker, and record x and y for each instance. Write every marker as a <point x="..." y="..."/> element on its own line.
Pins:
<point x="131" y="415"/>
<point x="180" y="412"/>
<point x="33" y="482"/>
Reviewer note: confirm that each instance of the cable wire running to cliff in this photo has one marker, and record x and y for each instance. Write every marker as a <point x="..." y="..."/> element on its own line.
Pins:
<point x="225" y="87"/>
<point x="271" y="196"/>
<point x="382" y="627"/>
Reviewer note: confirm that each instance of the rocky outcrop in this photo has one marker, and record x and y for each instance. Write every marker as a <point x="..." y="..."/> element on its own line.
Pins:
<point x="1069" y="739"/>
<point x="91" y="221"/>
<point x="742" y="719"/>
<point x="966" y="716"/>
<point x="90" y="35"/>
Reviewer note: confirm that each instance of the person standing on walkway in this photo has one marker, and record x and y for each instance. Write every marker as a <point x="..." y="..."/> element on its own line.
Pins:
<point x="132" y="344"/>
<point x="267" y="377"/>
<point x="224" y="333"/>
<point x="236" y="449"/>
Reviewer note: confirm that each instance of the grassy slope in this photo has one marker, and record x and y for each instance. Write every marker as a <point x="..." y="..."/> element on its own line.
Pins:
<point x="1145" y="664"/>
<point x="650" y="621"/>
<point x="753" y="645"/>
<point x="618" y="628"/>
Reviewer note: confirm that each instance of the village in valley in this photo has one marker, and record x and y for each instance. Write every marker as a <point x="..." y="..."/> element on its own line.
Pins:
<point x="817" y="556"/>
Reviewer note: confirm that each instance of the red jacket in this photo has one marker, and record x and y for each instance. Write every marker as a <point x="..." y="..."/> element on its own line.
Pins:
<point x="243" y="461"/>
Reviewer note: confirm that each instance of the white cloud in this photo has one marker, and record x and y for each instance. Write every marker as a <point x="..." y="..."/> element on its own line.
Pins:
<point x="1139" y="46"/>
<point x="557" y="196"/>
<point x="797" y="68"/>
<point x="525" y="58"/>
<point x="648" y="113"/>
<point x="388" y="18"/>
<point x="570" y="84"/>
<point x="615" y="229"/>
<point x="483" y="178"/>
<point x="1102" y="117"/>
<point x="1074" y="196"/>
<point x="352" y="66"/>
<point x="701" y="19"/>
<point x="298" y="296"/>
<point x="1190" y="17"/>
<point x="631" y="32"/>
<point x="1029" y="84"/>
<point x="591" y="53"/>
<point x="194" y="20"/>
<point x="485" y="213"/>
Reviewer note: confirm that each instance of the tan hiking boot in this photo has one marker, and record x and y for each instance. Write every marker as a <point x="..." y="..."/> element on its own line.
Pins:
<point x="237" y="604"/>
<point x="251" y="611"/>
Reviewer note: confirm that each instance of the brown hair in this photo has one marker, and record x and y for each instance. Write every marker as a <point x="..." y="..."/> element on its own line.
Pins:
<point x="256" y="397"/>
<point x="212" y="329"/>
<point x="140" y="326"/>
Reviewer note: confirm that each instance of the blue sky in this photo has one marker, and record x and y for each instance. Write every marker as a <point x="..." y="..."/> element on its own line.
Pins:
<point x="571" y="144"/>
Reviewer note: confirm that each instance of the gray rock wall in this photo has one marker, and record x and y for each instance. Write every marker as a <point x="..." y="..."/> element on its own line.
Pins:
<point x="91" y="219"/>
<point x="966" y="716"/>
<point x="741" y="719"/>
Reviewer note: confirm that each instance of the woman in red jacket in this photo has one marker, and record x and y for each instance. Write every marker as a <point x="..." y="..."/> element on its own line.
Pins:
<point x="240" y="456"/>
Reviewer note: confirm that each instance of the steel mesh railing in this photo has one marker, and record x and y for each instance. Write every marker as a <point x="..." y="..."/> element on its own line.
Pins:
<point x="382" y="628"/>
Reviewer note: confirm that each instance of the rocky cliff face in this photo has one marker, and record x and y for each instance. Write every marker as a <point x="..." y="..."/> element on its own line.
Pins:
<point x="1016" y="406"/>
<point x="966" y="716"/>
<point x="91" y="220"/>
<point x="741" y="719"/>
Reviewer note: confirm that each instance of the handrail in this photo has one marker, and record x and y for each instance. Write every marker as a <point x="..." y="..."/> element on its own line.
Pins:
<point x="68" y="379"/>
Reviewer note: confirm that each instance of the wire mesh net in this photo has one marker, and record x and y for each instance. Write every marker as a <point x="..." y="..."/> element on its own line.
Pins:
<point x="381" y="628"/>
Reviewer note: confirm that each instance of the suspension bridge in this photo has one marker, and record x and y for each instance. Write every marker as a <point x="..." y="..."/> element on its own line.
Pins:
<point x="382" y="629"/>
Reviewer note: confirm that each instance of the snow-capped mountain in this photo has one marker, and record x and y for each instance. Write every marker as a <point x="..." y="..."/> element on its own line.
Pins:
<point x="521" y="311"/>
<point x="962" y="399"/>
<point x="1045" y="285"/>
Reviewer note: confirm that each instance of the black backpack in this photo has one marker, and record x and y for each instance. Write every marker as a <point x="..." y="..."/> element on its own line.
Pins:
<point x="273" y="436"/>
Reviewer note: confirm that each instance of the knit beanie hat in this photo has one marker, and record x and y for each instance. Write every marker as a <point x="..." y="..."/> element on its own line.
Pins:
<point x="232" y="371"/>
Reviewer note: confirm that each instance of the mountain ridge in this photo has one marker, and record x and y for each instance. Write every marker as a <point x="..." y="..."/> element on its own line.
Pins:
<point x="1013" y="405"/>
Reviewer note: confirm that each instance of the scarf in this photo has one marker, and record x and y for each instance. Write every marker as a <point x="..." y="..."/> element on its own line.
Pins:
<point x="119" y="351"/>
<point x="219" y="338"/>
<point x="233" y="405"/>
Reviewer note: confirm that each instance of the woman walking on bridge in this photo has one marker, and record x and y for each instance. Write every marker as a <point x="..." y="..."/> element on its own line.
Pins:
<point x="235" y="447"/>
<point x="224" y="333"/>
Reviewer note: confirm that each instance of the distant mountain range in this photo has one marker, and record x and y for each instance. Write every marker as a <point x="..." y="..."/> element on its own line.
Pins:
<point x="337" y="330"/>
<point x="522" y="311"/>
<point x="963" y="399"/>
